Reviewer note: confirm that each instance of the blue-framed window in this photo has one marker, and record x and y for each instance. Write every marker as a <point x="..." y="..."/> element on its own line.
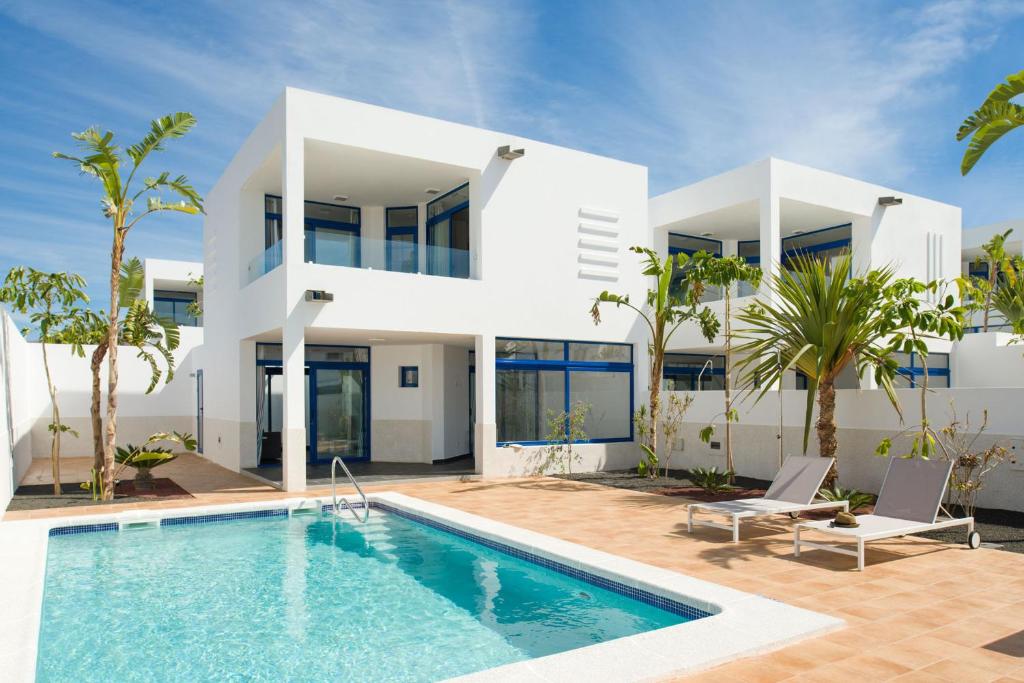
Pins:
<point x="403" y="239"/>
<point x="911" y="371"/>
<point x="679" y="243"/>
<point x="199" y="410"/>
<point x="409" y="376"/>
<point x="682" y="370"/>
<point x="334" y="373"/>
<point x="749" y="251"/>
<point x="331" y="232"/>
<point x="538" y="377"/>
<point x="448" y="234"/>
<point x="978" y="269"/>
<point x="174" y="305"/>
<point x="826" y="244"/>
<point x="801" y="381"/>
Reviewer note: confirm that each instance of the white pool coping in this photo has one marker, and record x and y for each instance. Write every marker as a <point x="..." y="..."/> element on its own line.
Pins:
<point x="741" y="624"/>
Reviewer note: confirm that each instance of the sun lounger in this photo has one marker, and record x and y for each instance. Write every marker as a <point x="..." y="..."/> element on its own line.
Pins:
<point x="909" y="503"/>
<point x="792" y="492"/>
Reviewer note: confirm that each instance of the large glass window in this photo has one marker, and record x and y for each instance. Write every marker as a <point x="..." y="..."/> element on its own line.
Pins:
<point x="524" y="400"/>
<point x="174" y="305"/>
<point x="403" y="239"/>
<point x="690" y="245"/>
<point x="538" y="378"/>
<point x="749" y="251"/>
<point x="911" y="371"/>
<point x="693" y="372"/>
<point x="827" y="245"/>
<point x="448" y="234"/>
<point x="331" y="232"/>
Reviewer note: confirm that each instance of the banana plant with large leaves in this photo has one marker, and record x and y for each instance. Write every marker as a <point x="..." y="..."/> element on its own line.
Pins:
<point x="997" y="116"/>
<point x="667" y="307"/>
<point x="101" y="158"/>
<point x="152" y="336"/>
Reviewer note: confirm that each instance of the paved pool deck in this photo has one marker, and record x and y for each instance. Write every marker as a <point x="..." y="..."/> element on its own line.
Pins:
<point x="921" y="611"/>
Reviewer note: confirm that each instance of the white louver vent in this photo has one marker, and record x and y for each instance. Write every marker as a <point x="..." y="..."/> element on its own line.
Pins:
<point x="598" y="250"/>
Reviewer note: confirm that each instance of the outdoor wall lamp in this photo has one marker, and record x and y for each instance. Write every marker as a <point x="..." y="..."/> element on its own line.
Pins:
<point x="319" y="296"/>
<point x="890" y="201"/>
<point x="506" y="152"/>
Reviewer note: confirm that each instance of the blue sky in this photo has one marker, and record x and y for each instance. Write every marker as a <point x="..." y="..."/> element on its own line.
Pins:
<point x="869" y="89"/>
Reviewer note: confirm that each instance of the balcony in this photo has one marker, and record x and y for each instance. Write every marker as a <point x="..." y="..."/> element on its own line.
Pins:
<point x="353" y="251"/>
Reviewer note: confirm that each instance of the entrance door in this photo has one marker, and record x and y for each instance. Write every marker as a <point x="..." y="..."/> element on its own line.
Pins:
<point x="339" y="400"/>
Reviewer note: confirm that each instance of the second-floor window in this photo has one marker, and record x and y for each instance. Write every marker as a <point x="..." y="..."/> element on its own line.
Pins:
<point x="827" y="244"/>
<point x="176" y="306"/>
<point x="912" y="371"/>
<point x="690" y="245"/>
<point x="448" y="234"/>
<point x="331" y="232"/>
<point x="403" y="239"/>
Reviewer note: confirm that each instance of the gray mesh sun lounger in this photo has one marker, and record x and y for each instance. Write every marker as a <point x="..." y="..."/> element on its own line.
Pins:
<point x="792" y="491"/>
<point x="908" y="503"/>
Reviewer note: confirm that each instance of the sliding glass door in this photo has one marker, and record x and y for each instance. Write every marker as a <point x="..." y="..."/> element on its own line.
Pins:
<point x="340" y="396"/>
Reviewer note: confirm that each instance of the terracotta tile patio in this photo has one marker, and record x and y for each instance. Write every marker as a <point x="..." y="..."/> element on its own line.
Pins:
<point x="921" y="611"/>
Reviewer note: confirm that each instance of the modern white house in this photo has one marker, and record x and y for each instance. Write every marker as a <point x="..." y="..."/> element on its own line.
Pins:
<point x="403" y="291"/>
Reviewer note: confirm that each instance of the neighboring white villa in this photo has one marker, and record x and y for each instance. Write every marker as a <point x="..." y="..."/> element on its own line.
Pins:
<point x="389" y="287"/>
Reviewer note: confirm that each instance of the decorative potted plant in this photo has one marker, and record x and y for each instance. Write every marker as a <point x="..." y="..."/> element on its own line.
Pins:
<point x="147" y="456"/>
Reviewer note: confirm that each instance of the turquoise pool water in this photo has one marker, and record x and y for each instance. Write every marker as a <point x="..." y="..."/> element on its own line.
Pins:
<point x="310" y="598"/>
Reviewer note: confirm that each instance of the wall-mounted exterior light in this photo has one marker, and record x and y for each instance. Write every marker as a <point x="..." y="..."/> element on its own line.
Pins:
<point x="319" y="296"/>
<point x="890" y="201"/>
<point x="506" y="152"/>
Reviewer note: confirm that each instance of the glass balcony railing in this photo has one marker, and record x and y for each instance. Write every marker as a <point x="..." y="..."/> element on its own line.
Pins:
<point x="265" y="261"/>
<point x="352" y="251"/>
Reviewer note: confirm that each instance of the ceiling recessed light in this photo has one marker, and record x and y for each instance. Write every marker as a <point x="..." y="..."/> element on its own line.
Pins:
<point x="706" y="234"/>
<point x="377" y="339"/>
<point x="341" y="197"/>
<point x="432" y="190"/>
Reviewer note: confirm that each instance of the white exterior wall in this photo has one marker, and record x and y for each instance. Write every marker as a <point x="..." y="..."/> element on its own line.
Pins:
<point x="864" y="418"/>
<point x="525" y="245"/>
<point x="15" y="396"/>
<point x="920" y="238"/>
<point x="173" y="275"/>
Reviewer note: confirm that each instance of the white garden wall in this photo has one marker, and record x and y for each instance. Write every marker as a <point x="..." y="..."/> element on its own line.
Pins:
<point x="15" y="395"/>
<point x="864" y="417"/>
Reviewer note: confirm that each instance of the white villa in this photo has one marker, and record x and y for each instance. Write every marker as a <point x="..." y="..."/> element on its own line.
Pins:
<point x="391" y="288"/>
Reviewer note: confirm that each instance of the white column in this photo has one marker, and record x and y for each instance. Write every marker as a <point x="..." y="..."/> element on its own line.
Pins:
<point x="485" y="430"/>
<point x="770" y="231"/>
<point x="770" y="236"/>
<point x="293" y="349"/>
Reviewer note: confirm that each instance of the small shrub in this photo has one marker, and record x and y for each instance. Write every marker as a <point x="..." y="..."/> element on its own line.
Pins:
<point x="856" y="499"/>
<point x="710" y="479"/>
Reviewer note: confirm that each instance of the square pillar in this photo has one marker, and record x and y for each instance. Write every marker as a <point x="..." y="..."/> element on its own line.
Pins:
<point x="771" y="238"/>
<point x="293" y="336"/>
<point x="293" y="428"/>
<point x="485" y="430"/>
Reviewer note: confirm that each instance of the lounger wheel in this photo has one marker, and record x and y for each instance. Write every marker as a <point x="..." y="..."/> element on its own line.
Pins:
<point x="793" y="515"/>
<point x="974" y="540"/>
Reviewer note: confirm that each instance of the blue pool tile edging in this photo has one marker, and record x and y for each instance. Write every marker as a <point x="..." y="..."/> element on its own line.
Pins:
<point x="82" y="529"/>
<point x="639" y="594"/>
<point x="222" y="517"/>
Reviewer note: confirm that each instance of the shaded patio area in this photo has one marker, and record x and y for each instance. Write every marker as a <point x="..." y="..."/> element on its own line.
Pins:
<point x="369" y="472"/>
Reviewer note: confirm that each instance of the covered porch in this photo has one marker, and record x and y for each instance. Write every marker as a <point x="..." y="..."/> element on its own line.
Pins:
<point x="395" y="406"/>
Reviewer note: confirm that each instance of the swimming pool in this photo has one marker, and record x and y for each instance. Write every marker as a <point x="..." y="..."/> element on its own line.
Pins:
<point x="314" y="598"/>
<point x="281" y="591"/>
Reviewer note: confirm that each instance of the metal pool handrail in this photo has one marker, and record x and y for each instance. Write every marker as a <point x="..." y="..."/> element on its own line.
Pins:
<point x="334" y="491"/>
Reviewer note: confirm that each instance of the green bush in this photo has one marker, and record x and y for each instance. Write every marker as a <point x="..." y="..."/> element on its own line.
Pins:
<point x="856" y="499"/>
<point x="710" y="479"/>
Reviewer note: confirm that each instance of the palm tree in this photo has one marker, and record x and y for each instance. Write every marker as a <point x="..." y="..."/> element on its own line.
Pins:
<point x="996" y="117"/>
<point x="820" y="323"/>
<point x="1008" y="298"/>
<point x="979" y="292"/>
<point x="102" y="160"/>
<point x="669" y="305"/>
